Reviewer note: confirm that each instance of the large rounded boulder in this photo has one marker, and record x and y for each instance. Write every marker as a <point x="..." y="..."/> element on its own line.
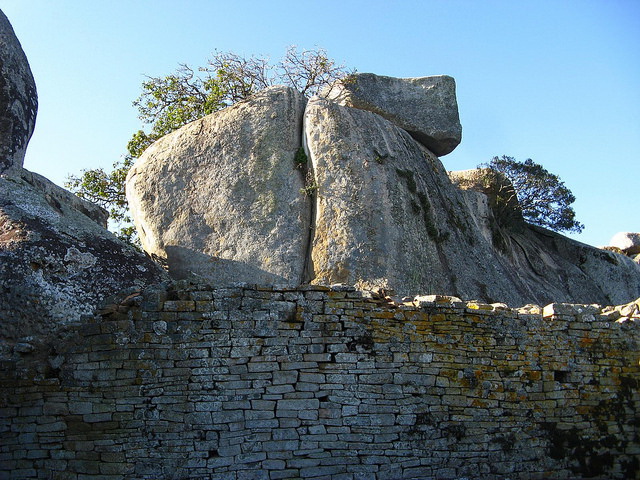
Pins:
<point x="222" y="198"/>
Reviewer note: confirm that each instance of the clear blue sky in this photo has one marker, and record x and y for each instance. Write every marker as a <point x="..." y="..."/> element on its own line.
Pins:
<point x="555" y="81"/>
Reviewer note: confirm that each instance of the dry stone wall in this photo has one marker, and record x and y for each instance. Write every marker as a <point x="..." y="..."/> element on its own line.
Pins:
<point x="188" y="381"/>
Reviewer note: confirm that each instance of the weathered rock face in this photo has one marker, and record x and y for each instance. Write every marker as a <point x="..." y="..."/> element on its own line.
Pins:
<point x="563" y="270"/>
<point x="56" y="262"/>
<point x="221" y="197"/>
<point x="387" y="214"/>
<point x="554" y="267"/>
<point x="628" y="242"/>
<point x="18" y="99"/>
<point x="426" y="107"/>
<point x="497" y="191"/>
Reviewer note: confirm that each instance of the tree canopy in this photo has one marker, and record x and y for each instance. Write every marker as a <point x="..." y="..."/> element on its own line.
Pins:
<point x="543" y="198"/>
<point x="167" y="103"/>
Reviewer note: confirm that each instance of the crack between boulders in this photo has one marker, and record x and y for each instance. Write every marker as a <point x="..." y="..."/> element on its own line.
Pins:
<point x="308" y="273"/>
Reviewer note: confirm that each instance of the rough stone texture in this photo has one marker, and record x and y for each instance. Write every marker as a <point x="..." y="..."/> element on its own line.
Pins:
<point x="221" y="197"/>
<point x="385" y="208"/>
<point x="628" y="242"/>
<point x="57" y="262"/>
<point x="553" y="266"/>
<point x="55" y="194"/>
<point x="497" y="193"/>
<point x="18" y="99"/>
<point x="195" y="382"/>
<point x="426" y="107"/>
<point x="387" y="215"/>
<point x="566" y="270"/>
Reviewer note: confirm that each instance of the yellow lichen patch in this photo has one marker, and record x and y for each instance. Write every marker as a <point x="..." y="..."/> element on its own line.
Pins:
<point x="480" y="306"/>
<point x="532" y="375"/>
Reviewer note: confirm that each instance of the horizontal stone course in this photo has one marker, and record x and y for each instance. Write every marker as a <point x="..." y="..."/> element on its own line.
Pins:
<point x="319" y="382"/>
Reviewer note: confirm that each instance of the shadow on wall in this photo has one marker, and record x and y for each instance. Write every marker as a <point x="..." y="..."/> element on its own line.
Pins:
<point x="215" y="269"/>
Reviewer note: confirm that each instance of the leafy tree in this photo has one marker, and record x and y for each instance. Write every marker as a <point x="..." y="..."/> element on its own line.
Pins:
<point x="167" y="103"/>
<point x="543" y="198"/>
<point x="107" y="190"/>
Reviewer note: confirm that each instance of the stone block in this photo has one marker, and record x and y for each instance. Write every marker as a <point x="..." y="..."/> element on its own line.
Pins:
<point x="302" y="404"/>
<point x="285" y="377"/>
<point x="179" y="306"/>
<point x="281" y="445"/>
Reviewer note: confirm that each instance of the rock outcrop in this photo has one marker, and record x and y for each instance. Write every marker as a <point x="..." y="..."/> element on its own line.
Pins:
<point x="553" y="266"/>
<point x="426" y="107"/>
<point x="223" y="198"/>
<point x="388" y="215"/>
<point x="57" y="260"/>
<point x="628" y="242"/>
<point x="18" y="99"/>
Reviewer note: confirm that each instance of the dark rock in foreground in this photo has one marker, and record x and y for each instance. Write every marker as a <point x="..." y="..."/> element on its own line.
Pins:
<point x="18" y="99"/>
<point x="57" y="263"/>
<point x="57" y="259"/>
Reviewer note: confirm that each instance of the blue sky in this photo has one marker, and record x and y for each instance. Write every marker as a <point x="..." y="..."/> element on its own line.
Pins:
<point x="555" y="81"/>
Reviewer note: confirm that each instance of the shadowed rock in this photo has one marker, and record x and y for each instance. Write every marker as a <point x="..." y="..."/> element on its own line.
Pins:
<point x="221" y="198"/>
<point x="555" y="267"/>
<point x="56" y="262"/>
<point x="426" y="107"/>
<point x="18" y="99"/>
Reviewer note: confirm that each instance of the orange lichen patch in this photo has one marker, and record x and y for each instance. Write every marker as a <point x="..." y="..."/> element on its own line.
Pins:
<point x="415" y="316"/>
<point x="480" y="306"/>
<point x="383" y="314"/>
<point x="534" y="375"/>
<point x="421" y="327"/>
<point x="587" y="342"/>
<point x="584" y="409"/>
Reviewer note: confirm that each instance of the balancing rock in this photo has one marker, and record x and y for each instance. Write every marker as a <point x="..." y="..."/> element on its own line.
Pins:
<point x="426" y="107"/>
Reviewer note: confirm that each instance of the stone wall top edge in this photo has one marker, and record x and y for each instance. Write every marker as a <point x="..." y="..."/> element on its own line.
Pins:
<point x="627" y="313"/>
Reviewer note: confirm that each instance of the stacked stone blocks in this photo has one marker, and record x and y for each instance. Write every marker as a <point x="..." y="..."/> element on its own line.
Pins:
<point x="249" y="382"/>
